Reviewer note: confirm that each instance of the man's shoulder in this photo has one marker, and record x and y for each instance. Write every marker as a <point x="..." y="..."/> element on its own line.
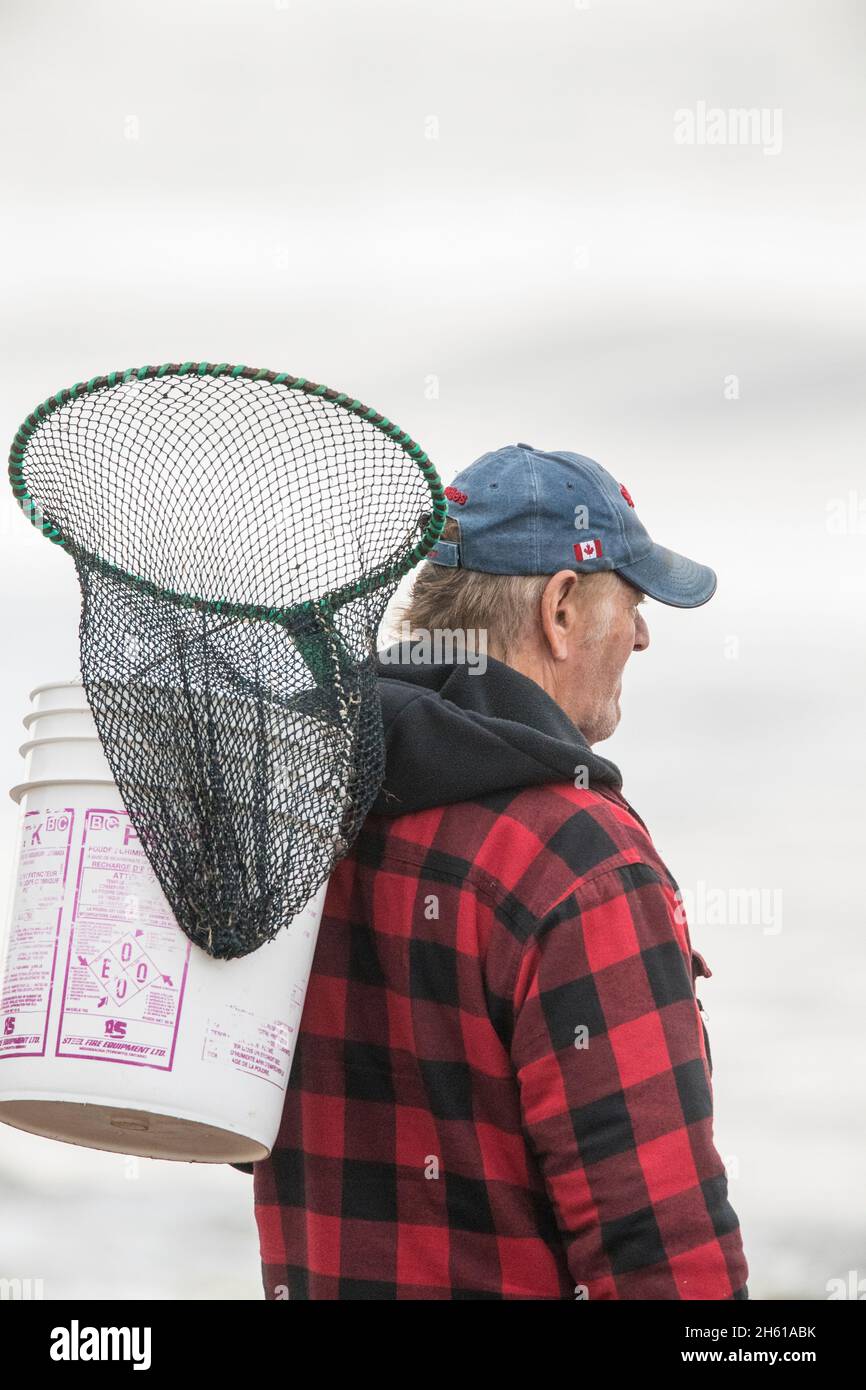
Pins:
<point x="580" y="833"/>
<point x="528" y="849"/>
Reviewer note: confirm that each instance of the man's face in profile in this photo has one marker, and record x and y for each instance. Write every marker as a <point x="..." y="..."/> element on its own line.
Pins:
<point x="595" y="671"/>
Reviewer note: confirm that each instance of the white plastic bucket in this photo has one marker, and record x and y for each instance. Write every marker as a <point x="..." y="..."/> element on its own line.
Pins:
<point x="116" y="1032"/>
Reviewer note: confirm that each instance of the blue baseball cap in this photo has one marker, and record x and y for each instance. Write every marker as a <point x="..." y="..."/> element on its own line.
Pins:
<point x="523" y="511"/>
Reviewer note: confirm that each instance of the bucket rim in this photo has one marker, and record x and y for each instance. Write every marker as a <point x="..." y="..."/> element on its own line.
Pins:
<point x="22" y="787"/>
<point x="58" y="738"/>
<point x="35" y="714"/>
<point x="54" y="685"/>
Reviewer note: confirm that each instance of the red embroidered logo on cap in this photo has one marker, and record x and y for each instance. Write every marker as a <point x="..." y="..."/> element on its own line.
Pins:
<point x="587" y="550"/>
<point x="626" y="494"/>
<point x="455" y="495"/>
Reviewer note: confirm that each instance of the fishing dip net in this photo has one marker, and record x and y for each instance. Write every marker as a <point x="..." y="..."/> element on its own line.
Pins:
<point x="237" y="536"/>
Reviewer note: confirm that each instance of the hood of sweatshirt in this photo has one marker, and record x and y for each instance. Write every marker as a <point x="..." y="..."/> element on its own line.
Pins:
<point x="453" y="733"/>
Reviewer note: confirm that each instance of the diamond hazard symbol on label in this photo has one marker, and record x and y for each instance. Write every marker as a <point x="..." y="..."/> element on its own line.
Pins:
<point x="124" y="970"/>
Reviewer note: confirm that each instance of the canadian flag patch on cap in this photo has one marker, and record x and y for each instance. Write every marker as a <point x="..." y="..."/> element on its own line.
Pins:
<point x="587" y="550"/>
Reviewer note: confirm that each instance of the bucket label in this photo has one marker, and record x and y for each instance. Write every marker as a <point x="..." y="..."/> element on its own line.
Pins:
<point x="127" y="962"/>
<point x="246" y="1043"/>
<point x="34" y="930"/>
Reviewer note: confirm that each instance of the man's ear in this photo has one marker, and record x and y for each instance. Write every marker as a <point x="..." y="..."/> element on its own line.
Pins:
<point x="557" y="613"/>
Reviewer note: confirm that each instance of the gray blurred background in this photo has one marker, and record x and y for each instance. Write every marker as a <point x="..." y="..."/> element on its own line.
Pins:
<point x="497" y="222"/>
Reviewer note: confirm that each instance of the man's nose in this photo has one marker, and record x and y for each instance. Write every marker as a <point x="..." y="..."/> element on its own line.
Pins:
<point x="641" y="634"/>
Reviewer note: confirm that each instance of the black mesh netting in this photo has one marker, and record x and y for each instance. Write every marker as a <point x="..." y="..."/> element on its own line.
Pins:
<point x="247" y="749"/>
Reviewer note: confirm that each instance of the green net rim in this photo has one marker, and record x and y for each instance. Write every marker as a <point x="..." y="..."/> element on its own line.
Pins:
<point x="328" y="602"/>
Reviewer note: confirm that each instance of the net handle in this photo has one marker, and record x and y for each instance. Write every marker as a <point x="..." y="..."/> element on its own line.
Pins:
<point x="325" y="604"/>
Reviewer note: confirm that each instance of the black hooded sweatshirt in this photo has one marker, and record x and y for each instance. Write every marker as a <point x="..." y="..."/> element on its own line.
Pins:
<point x="456" y="733"/>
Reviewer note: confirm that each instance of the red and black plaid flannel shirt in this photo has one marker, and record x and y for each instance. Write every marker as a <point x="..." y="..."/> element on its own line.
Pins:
<point x="502" y="1086"/>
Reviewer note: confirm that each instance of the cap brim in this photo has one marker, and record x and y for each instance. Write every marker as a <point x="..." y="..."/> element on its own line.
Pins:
<point x="671" y="578"/>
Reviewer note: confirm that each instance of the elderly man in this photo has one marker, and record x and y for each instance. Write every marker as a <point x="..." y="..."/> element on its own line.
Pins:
<point x="502" y="1087"/>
